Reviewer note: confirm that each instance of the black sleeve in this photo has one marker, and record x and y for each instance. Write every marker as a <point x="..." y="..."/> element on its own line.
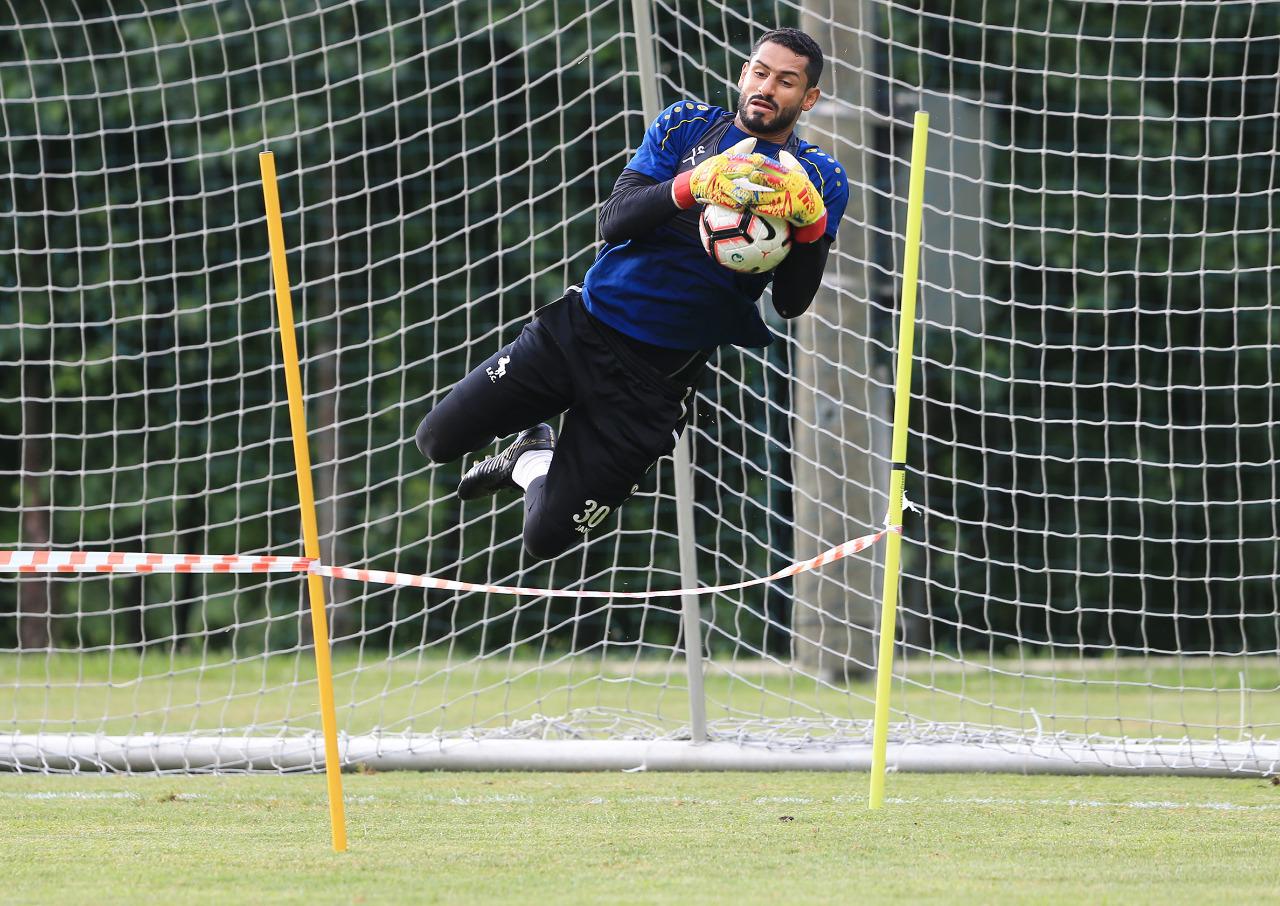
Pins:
<point x="796" y="279"/>
<point x="638" y="205"/>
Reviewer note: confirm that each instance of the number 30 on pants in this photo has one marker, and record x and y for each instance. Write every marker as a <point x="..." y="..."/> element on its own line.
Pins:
<point x="591" y="516"/>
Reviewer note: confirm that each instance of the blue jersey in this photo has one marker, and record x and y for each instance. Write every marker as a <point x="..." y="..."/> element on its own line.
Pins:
<point x="664" y="288"/>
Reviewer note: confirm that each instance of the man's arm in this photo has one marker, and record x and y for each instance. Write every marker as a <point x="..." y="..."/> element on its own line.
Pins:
<point x="638" y="205"/>
<point x="814" y="217"/>
<point x="797" y="278"/>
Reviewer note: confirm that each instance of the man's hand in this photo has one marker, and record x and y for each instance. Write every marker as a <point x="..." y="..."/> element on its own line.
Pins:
<point x="792" y="196"/>
<point x="727" y="179"/>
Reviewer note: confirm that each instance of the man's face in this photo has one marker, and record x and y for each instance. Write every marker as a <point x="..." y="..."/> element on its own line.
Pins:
<point x="774" y="90"/>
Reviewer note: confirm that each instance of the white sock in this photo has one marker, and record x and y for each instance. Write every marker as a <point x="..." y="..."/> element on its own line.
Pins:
<point x="531" y="465"/>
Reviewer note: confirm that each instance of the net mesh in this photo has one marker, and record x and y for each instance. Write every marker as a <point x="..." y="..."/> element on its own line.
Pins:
<point x="1093" y="432"/>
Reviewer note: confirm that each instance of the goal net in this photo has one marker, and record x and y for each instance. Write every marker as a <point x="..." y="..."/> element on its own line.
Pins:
<point x="1089" y="576"/>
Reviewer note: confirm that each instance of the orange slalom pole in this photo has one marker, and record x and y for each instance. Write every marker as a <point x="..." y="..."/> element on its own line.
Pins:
<point x="306" y="499"/>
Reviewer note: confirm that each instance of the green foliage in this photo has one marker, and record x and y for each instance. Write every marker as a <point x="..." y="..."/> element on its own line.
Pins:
<point x="1103" y="446"/>
<point x="410" y="148"/>
<point x="440" y="169"/>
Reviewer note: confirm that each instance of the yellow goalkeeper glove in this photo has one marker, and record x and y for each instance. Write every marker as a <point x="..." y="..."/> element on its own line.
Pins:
<point x="726" y="179"/>
<point x="792" y="197"/>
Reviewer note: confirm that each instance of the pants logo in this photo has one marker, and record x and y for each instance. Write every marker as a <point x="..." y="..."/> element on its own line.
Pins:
<point x="592" y="515"/>
<point x="495" y="373"/>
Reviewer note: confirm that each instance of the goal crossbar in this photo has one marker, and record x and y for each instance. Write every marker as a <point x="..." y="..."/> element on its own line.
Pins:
<point x="230" y="753"/>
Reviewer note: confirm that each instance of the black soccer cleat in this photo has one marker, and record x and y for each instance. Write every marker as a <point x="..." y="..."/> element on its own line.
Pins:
<point x="494" y="474"/>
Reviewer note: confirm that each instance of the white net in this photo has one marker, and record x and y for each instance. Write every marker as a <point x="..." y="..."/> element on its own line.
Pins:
<point x="1090" y="582"/>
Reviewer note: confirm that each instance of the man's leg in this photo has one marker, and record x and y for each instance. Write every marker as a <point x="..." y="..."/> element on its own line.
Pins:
<point x="622" y="416"/>
<point x="520" y="385"/>
<point x="595" y="469"/>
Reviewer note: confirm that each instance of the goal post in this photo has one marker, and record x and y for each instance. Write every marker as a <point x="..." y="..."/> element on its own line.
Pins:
<point x="681" y="460"/>
<point x="1088" y="584"/>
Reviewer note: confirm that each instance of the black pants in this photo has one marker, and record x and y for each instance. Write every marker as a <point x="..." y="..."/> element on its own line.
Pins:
<point x="625" y="405"/>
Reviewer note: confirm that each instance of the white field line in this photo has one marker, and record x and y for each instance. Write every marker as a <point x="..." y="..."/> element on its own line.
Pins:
<point x="1072" y="803"/>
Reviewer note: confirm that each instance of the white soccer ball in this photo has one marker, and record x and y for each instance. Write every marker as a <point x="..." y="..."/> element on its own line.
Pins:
<point x="744" y="241"/>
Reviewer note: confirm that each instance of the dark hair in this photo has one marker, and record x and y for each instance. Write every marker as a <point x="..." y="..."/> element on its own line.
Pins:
<point x="800" y="44"/>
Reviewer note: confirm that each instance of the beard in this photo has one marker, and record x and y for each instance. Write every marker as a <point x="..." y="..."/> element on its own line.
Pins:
<point x="782" y="118"/>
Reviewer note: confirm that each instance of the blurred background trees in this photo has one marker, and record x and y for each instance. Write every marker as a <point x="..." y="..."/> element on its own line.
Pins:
<point x="1106" y="446"/>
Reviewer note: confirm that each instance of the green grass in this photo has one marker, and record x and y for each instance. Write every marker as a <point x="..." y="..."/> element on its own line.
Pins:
<point x="640" y="838"/>
<point x="128" y="693"/>
<point x="631" y="838"/>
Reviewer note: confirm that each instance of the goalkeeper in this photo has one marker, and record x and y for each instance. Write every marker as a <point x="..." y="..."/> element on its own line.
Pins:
<point x="620" y="355"/>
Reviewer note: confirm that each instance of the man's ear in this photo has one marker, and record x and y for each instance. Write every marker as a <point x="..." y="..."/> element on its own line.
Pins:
<point x="810" y="98"/>
<point x="742" y="76"/>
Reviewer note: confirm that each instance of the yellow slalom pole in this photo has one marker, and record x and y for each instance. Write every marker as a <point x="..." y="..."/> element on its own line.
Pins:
<point x="306" y="499"/>
<point x="901" y="404"/>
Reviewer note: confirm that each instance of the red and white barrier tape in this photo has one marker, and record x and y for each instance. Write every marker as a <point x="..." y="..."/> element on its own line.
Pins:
<point x="387" y="578"/>
<point x="115" y="562"/>
<point x="43" y="561"/>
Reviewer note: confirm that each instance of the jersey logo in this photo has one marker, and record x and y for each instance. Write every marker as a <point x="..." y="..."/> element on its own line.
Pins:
<point x="694" y="154"/>
<point x="495" y="373"/>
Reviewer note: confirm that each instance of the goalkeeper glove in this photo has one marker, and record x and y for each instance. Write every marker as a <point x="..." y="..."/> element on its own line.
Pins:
<point x="724" y="179"/>
<point x="792" y="197"/>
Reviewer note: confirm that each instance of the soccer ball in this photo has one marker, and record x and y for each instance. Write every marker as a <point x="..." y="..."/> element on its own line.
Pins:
<point x="744" y="241"/>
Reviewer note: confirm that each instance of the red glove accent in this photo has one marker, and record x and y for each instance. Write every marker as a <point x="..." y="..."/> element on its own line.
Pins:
<point x="811" y="233"/>
<point x="680" y="191"/>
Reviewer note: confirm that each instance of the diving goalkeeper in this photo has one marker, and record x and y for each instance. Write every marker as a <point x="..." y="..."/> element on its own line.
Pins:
<point x="620" y="355"/>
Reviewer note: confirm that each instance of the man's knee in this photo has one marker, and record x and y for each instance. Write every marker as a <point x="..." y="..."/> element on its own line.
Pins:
<point x="433" y="443"/>
<point x="544" y="539"/>
<point x="545" y="546"/>
<point x="550" y="530"/>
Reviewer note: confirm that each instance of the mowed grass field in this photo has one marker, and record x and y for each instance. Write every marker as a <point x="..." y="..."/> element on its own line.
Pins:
<point x="631" y="837"/>
<point x="125" y="692"/>
<point x="639" y="838"/>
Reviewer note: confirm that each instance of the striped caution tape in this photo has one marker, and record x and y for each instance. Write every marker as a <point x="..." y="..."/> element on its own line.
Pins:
<point x="115" y="562"/>
<point x="389" y="578"/>
<point x="43" y="561"/>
